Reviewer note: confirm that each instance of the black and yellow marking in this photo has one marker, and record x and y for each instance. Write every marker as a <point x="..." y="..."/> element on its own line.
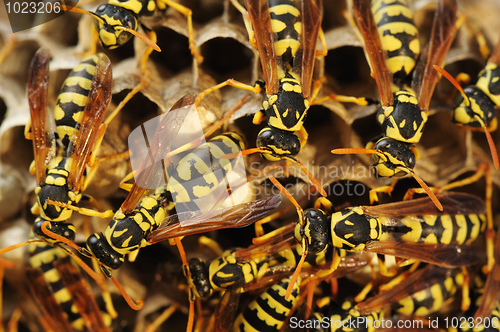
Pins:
<point x="414" y="229"/>
<point x="405" y="86"/>
<point x="483" y="99"/>
<point x="270" y="310"/>
<point x="52" y="291"/>
<point x="200" y="172"/>
<point x="352" y="229"/>
<point x="72" y="99"/>
<point x="194" y="176"/>
<point x="428" y="301"/>
<point x="63" y="152"/>
<point x="329" y="311"/>
<point x="286" y="108"/>
<point x="398" y="34"/>
<point x="111" y="19"/>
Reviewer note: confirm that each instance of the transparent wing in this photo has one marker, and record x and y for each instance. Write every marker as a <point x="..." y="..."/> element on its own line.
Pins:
<point x="42" y="123"/>
<point x="198" y="222"/>
<point x="312" y="15"/>
<point x="453" y="203"/>
<point x="443" y="32"/>
<point x="82" y="143"/>
<point x="258" y="11"/>
<point x="150" y="146"/>
<point x="374" y="50"/>
<point x="417" y="281"/>
<point x="449" y="256"/>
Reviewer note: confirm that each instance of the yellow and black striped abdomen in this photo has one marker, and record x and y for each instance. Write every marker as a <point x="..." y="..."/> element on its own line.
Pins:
<point x="287" y="28"/>
<point x="200" y="172"/>
<point x="73" y="97"/>
<point x="430" y="300"/>
<point x="445" y="229"/>
<point x="270" y="310"/>
<point x="398" y="34"/>
<point x="55" y="299"/>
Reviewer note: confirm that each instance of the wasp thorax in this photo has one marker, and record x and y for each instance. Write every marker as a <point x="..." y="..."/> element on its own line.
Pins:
<point x="103" y="252"/>
<point x="55" y="193"/>
<point x="279" y="142"/>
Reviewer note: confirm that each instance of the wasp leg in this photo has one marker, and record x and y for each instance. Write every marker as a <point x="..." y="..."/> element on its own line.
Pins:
<point x="255" y="89"/>
<point x="7" y="47"/>
<point x="324" y="51"/>
<point x="383" y="189"/>
<point x="162" y="318"/>
<point x="189" y="16"/>
<point x="84" y="211"/>
<point x="324" y="204"/>
<point x="246" y="20"/>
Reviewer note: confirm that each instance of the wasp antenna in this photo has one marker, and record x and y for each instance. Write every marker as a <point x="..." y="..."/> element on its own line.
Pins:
<point x="145" y="39"/>
<point x="6" y="264"/>
<point x="18" y="245"/>
<point x="182" y="253"/>
<point x="353" y="151"/>
<point x="190" y="323"/>
<point x="454" y="82"/>
<point x="62" y="239"/>
<point x="134" y="305"/>
<point x="296" y="274"/>
<point x="314" y="181"/>
<point x="81" y="11"/>
<point x="285" y="192"/>
<point x="429" y="192"/>
<point x="493" y="149"/>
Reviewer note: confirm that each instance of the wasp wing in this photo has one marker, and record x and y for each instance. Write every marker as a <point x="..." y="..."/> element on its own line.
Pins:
<point x="152" y="170"/>
<point x="193" y="222"/>
<point x="373" y="48"/>
<point x="260" y="17"/>
<point x="491" y="294"/>
<point x="449" y="256"/>
<point x="43" y="138"/>
<point x="82" y="143"/>
<point x="417" y="281"/>
<point x="453" y="204"/>
<point x="312" y="15"/>
<point x="495" y="55"/>
<point x="443" y="32"/>
<point x="81" y="295"/>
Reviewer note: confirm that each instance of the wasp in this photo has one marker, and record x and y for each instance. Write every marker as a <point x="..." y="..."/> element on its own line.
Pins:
<point x="270" y="310"/>
<point x="143" y="217"/>
<point x="147" y="215"/>
<point x="413" y="230"/>
<point x="329" y="312"/>
<point x="475" y="107"/>
<point x="422" y="293"/>
<point x="61" y="292"/>
<point x="63" y="152"/>
<point x="392" y="47"/>
<point x="117" y="22"/>
<point x="285" y="35"/>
